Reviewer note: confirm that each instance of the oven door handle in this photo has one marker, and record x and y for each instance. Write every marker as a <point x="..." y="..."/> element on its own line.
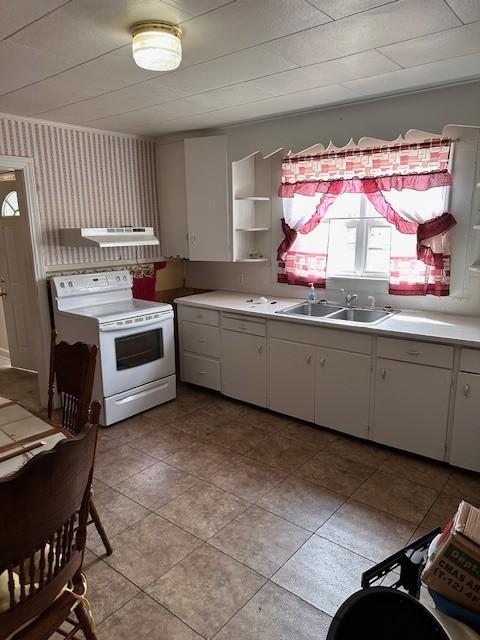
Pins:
<point x="115" y="327"/>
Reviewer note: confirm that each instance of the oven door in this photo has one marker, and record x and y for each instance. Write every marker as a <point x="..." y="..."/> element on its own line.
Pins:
<point x="130" y="357"/>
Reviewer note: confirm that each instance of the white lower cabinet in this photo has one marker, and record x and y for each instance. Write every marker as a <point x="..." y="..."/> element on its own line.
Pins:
<point x="292" y="379"/>
<point x="244" y="367"/>
<point x="342" y="391"/>
<point x="465" y="444"/>
<point x="411" y="407"/>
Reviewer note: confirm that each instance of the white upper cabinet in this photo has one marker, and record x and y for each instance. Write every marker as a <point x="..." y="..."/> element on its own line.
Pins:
<point x="193" y="199"/>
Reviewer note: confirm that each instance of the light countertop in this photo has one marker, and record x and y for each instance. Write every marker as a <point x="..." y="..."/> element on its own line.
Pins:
<point x="434" y="327"/>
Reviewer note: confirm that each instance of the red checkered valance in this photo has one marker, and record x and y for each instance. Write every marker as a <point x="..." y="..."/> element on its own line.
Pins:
<point x="401" y="159"/>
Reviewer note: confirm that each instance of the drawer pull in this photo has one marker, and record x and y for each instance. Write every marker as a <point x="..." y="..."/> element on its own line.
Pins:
<point x="466" y="390"/>
<point x="309" y="359"/>
<point x="259" y="348"/>
<point x="199" y="316"/>
<point x="242" y="327"/>
<point x="413" y="352"/>
<point x="203" y="373"/>
<point x="322" y="362"/>
<point x="202" y="339"/>
<point x="384" y="373"/>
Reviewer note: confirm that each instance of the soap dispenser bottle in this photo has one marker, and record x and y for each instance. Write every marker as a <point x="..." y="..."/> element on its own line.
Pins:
<point x="311" y="296"/>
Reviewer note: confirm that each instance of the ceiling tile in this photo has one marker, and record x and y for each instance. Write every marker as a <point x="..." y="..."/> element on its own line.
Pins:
<point x="341" y="8"/>
<point x="43" y="96"/>
<point x="15" y="15"/>
<point x="23" y="65"/>
<point x="438" y="46"/>
<point x="124" y="121"/>
<point x="466" y="10"/>
<point x="230" y="96"/>
<point x="375" y="28"/>
<point x="83" y="29"/>
<point x="246" y="23"/>
<point x="426" y="75"/>
<point x="359" y="65"/>
<point x="197" y="7"/>
<point x="236" y="67"/>
<point x="109" y="104"/>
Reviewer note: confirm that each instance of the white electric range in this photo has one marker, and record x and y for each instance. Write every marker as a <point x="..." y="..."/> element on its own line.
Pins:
<point x="136" y="353"/>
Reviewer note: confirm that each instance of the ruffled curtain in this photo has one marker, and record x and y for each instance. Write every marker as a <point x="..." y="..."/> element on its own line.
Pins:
<point x="407" y="184"/>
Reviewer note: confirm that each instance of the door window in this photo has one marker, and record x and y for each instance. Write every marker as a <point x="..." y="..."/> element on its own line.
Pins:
<point x="10" y="205"/>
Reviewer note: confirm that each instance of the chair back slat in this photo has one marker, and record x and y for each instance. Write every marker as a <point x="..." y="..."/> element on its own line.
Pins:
<point x="44" y="512"/>
<point x="72" y="371"/>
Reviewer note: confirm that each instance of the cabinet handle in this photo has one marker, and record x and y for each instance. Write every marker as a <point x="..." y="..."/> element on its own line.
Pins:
<point x="202" y="339"/>
<point x="199" y="316"/>
<point x="413" y="352"/>
<point x="466" y="390"/>
<point x="242" y="327"/>
<point x="203" y="373"/>
<point x="322" y="362"/>
<point x="260" y="348"/>
<point x="384" y="373"/>
<point x="309" y="359"/>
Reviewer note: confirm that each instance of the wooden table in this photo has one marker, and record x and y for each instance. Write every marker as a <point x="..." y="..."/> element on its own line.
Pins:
<point x="20" y="430"/>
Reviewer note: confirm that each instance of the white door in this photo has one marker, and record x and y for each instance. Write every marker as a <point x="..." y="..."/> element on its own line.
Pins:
<point x="411" y="407"/>
<point x="244" y="367"/>
<point x="342" y="391"/>
<point x="206" y="176"/>
<point x="465" y="446"/>
<point x="16" y="275"/>
<point x="292" y="379"/>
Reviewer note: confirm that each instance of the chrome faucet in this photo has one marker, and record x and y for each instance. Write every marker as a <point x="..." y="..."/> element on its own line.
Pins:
<point x="350" y="298"/>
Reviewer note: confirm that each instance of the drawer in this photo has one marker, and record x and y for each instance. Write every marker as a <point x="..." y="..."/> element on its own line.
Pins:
<point x="202" y="371"/>
<point x="322" y="337"/>
<point x="470" y="360"/>
<point x="436" y="355"/>
<point x="198" y="314"/>
<point x="243" y="325"/>
<point x="201" y="338"/>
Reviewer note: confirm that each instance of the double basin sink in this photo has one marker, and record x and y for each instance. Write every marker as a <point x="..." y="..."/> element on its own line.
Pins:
<point x="334" y="312"/>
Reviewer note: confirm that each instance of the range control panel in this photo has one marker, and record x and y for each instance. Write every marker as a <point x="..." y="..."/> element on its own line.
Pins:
<point x="80" y="284"/>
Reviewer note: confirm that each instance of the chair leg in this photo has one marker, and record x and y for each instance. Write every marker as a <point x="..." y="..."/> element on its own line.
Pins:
<point x="85" y="622"/>
<point x="101" y="531"/>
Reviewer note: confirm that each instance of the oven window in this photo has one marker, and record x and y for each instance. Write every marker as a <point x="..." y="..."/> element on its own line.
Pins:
<point x="139" y="348"/>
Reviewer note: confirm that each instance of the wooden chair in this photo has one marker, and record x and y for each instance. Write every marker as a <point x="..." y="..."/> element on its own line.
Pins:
<point x="43" y="515"/>
<point x="72" y="370"/>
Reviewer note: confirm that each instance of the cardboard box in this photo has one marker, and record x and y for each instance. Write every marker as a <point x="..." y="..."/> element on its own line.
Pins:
<point x="453" y="569"/>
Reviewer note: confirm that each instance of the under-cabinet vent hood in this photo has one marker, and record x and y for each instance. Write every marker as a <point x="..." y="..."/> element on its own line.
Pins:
<point x="108" y="237"/>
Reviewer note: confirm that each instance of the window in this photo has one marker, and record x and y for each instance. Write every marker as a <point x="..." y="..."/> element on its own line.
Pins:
<point x="10" y="205"/>
<point x="359" y="241"/>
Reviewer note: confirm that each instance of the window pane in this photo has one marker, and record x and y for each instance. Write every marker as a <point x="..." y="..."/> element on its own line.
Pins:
<point x="10" y="205"/>
<point x="378" y="249"/>
<point x="341" y="246"/>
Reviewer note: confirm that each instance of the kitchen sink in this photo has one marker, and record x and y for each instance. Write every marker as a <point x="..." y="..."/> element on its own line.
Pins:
<point x="336" y="312"/>
<point x="360" y="315"/>
<point x="318" y="310"/>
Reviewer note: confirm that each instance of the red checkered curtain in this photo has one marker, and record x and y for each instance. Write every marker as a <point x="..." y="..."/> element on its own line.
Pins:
<point x="408" y="184"/>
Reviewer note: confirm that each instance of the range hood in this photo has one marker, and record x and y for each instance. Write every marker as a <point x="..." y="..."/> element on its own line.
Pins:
<point x="108" y="237"/>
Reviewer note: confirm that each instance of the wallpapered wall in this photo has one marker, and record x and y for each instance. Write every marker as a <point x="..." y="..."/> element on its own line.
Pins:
<point x="86" y="178"/>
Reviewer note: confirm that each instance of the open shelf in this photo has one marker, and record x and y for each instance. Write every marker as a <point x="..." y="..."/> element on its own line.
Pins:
<point x="253" y="198"/>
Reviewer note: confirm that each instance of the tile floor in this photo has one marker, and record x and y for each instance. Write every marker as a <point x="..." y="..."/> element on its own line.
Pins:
<point x="232" y="522"/>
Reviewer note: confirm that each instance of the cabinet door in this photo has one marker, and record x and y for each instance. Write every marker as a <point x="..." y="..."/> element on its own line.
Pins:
<point x="411" y="407"/>
<point x="172" y="205"/>
<point x="206" y="174"/>
<point x="465" y="447"/>
<point x="244" y="367"/>
<point x="292" y="379"/>
<point x="342" y="391"/>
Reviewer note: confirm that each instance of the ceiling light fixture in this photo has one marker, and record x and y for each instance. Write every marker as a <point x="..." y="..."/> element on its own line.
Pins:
<point x="156" y="45"/>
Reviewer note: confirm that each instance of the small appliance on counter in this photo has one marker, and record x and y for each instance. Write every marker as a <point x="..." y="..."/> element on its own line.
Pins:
<point x="135" y="338"/>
